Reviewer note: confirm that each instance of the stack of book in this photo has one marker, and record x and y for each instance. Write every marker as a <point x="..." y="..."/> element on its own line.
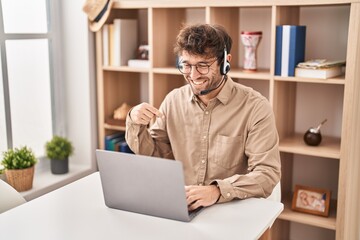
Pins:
<point x="289" y="49"/>
<point x="119" y="47"/>
<point x="116" y="142"/>
<point x="319" y="68"/>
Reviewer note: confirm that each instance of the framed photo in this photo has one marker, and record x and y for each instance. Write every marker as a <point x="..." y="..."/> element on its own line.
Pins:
<point x="311" y="200"/>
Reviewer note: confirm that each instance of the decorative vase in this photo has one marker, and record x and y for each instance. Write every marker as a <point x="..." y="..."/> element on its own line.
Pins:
<point x="20" y="179"/>
<point x="250" y="40"/>
<point x="59" y="166"/>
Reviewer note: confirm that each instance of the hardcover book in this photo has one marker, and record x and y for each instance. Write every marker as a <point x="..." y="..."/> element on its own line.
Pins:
<point x="125" y="41"/>
<point x="289" y="49"/>
<point x="321" y="73"/>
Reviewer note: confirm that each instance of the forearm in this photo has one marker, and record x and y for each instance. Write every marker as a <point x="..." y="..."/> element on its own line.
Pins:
<point x="254" y="184"/>
<point x="141" y="141"/>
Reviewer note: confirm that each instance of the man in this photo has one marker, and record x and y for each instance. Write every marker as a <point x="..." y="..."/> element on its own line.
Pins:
<point x="223" y="132"/>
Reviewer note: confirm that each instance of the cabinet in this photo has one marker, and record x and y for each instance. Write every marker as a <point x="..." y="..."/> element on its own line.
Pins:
<point x="333" y="32"/>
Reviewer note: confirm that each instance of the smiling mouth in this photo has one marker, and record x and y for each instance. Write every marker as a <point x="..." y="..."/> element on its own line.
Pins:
<point x="198" y="82"/>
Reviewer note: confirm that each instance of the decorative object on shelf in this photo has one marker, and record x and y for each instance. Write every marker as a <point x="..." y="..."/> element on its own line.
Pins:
<point x="19" y="168"/>
<point x="319" y="68"/>
<point x="143" y="52"/>
<point x="311" y="200"/>
<point x="312" y="137"/>
<point x="98" y="12"/>
<point x="251" y="41"/>
<point x="58" y="150"/>
<point x="142" y="60"/>
<point x="121" y="112"/>
<point x="289" y="49"/>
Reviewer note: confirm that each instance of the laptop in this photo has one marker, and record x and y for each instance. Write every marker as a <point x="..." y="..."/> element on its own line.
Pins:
<point x="142" y="184"/>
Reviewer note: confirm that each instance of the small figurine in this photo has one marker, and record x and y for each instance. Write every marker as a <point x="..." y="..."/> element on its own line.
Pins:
<point x="122" y="111"/>
<point x="312" y="136"/>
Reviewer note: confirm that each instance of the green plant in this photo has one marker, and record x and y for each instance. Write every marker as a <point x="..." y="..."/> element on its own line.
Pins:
<point x="18" y="158"/>
<point x="58" y="148"/>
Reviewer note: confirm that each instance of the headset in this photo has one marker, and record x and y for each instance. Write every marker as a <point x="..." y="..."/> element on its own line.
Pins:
<point x="225" y="65"/>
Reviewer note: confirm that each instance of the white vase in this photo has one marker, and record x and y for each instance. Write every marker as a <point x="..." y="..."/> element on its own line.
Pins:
<point x="251" y="41"/>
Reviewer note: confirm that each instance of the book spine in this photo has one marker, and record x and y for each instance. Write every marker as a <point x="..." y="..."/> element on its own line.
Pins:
<point x="128" y="42"/>
<point x="109" y="139"/>
<point x="117" y="46"/>
<point x="111" y="44"/>
<point x="278" y="49"/>
<point x="296" y="47"/>
<point x="285" y="51"/>
<point x="105" y="39"/>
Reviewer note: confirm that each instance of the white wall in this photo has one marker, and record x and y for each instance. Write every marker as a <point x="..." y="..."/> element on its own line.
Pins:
<point x="79" y="77"/>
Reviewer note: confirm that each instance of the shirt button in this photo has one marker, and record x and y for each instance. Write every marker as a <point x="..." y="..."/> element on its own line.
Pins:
<point x="200" y="184"/>
<point x="204" y="137"/>
<point x="203" y="161"/>
<point x="228" y="195"/>
<point x="206" y="112"/>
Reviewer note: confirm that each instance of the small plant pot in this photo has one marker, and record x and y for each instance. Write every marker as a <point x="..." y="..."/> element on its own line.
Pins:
<point x="59" y="166"/>
<point x="20" y="179"/>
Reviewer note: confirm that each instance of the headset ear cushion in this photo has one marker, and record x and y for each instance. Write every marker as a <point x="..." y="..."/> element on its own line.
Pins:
<point x="226" y="69"/>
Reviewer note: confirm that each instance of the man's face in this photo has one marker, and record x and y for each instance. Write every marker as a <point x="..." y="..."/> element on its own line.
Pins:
<point x="201" y="73"/>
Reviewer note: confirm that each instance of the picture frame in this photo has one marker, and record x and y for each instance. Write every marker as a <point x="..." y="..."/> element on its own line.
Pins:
<point x="311" y="200"/>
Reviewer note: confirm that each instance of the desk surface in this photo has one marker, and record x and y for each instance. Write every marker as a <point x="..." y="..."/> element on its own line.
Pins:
<point x="78" y="211"/>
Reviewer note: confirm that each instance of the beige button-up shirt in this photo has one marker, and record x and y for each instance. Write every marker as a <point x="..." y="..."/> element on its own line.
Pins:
<point x="232" y="142"/>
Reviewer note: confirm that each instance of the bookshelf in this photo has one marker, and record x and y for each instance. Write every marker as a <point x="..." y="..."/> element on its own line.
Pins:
<point x="298" y="103"/>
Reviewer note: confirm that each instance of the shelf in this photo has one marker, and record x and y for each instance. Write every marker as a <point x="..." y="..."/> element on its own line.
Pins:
<point x="290" y="97"/>
<point x="338" y="80"/>
<point x="125" y="69"/>
<point x="167" y="70"/>
<point x="114" y="127"/>
<point x="260" y="74"/>
<point x="328" y="148"/>
<point x="319" y="221"/>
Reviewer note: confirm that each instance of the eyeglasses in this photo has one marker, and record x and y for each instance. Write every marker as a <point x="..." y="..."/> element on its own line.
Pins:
<point x="202" y="68"/>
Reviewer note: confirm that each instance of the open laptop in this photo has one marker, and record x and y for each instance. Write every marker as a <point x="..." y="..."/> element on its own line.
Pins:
<point x="143" y="184"/>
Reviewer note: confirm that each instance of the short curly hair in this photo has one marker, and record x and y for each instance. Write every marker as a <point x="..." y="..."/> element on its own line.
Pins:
<point x="203" y="39"/>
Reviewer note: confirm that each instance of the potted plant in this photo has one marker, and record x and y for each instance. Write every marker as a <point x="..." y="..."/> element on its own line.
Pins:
<point x="19" y="167"/>
<point x="58" y="150"/>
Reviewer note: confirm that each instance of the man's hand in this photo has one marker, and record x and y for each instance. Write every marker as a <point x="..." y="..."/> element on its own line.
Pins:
<point x="143" y="113"/>
<point x="197" y="196"/>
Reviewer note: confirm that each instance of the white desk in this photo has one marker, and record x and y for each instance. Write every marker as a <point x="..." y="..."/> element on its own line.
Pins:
<point x="78" y="211"/>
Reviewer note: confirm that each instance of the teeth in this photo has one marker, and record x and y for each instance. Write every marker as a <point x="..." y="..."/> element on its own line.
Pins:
<point x="198" y="83"/>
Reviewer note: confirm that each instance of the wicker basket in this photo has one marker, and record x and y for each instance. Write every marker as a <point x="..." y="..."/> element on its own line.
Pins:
<point x="20" y="179"/>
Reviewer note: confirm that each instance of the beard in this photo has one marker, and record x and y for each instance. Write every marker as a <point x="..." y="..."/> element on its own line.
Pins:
<point x="204" y="83"/>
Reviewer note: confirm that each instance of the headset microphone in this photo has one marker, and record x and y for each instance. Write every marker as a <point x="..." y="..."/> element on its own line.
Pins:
<point x="204" y="92"/>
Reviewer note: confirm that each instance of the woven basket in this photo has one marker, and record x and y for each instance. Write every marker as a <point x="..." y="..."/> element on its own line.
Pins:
<point x="20" y="179"/>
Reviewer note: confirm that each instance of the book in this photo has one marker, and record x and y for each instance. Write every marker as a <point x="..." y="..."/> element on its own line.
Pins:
<point x="296" y="48"/>
<point x="110" y="140"/>
<point x="122" y="146"/>
<point x="111" y="44"/>
<point x="105" y="40"/>
<point x="141" y="63"/>
<point x="125" y="41"/>
<point x="321" y="63"/>
<point x="321" y="73"/>
<point x="289" y="49"/>
<point x="278" y="48"/>
<point x="285" y="51"/>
